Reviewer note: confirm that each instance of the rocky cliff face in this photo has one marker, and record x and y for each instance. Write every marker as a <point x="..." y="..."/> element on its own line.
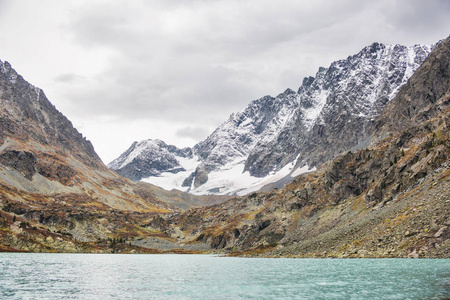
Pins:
<point x="417" y="100"/>
<point x="337" y="107"/>
<point x="27" y="115"/>
<point x="273" y="136"/>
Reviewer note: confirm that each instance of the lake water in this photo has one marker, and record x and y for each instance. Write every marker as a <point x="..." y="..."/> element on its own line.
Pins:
<point x="121" y="276"/>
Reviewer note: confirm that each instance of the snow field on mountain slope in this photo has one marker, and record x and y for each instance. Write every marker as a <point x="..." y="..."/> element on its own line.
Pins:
<point x="169" y="181"/>
<point x="230" y="179"/>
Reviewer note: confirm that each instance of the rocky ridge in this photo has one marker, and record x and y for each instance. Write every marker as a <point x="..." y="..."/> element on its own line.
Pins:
<point x="345" y="99"/>
<point x="24" y="106"/>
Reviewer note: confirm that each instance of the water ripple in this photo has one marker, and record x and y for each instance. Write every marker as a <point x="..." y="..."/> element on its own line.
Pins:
<point x="106" y="276"/>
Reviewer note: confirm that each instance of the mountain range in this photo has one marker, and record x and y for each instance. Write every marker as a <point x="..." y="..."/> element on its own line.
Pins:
<point x="390" y="198"/>
<point x="383" y="191"/>
<point x="275" y="139"/>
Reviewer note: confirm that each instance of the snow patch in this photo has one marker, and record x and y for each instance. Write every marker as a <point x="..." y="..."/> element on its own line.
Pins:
<point x="227" y="180"/>
<point x="302" y="170"/>
<point x="169" y="181"/>
<point x="311" y="114"/>
<point x="38" y="93"/>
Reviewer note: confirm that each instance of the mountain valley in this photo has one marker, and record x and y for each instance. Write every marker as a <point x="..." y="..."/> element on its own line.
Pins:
<point x="353" y="164"/>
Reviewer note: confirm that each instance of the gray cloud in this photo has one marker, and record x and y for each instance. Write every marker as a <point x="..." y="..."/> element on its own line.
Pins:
<point x="4" y="6"/>
<point x="198" y="58"/>
<point x="68" y="78"/>
<point x="195" y="133"/>
<point x="419" y="18"/>
<point x="191" y="58"/>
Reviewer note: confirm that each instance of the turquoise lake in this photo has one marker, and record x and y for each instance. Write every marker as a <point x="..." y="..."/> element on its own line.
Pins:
<point x="121" y="276"/>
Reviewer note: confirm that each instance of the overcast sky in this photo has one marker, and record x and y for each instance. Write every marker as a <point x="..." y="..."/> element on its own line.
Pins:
<point x="130" y="70"/>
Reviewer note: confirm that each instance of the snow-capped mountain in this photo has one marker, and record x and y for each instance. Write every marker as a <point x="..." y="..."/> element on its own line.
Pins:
<point x="148" y="158"/>
<point x="336" y="109"/>
<point x="275" y="139"/>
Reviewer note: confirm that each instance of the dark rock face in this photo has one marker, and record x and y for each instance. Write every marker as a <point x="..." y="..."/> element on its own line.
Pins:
<point x="23" y="106"/>
<point x="54" y="169"/>
<point x="412" y="105"/>
<point x="22" y="161"/>
<point x="198" y="177"/>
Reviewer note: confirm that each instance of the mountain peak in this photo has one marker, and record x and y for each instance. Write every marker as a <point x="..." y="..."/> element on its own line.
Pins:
<point x="375" y="46"/>
<point x="149" y="158"/>
<point x="7" y="69"/>
<point x="288" y="91"/>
